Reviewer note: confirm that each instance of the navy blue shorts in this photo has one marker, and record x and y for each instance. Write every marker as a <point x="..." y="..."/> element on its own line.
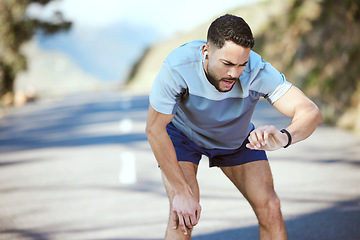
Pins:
<point x="187" y="150"/>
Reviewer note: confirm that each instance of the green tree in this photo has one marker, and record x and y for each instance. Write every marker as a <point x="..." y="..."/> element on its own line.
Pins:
<point x="15" y="30"/>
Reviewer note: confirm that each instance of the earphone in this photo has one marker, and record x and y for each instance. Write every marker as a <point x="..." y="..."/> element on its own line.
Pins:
<point x="205" y="54"/>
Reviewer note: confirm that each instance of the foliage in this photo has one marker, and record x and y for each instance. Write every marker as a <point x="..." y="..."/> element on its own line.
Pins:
<point x="16" y="29"/>
<point x="317" y="46"/>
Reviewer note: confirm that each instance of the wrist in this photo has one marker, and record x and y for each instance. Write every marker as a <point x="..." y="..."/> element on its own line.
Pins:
<point x="183" y="190"/>
<point x="288" y="137"/>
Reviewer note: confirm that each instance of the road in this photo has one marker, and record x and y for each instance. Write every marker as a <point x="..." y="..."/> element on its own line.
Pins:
<point x="81" y="169"/>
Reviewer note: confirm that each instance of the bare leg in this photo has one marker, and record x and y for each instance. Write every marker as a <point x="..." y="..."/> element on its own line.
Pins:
<point x="189" y="170"/>
<point x="254" y="180"/>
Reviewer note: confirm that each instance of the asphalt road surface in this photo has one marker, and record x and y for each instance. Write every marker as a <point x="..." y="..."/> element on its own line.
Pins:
<point x="82" y="169"/>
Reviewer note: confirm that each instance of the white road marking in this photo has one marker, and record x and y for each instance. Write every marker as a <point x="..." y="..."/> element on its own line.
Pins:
<point x="126" y="125"/>
<point x="128" y="169"/>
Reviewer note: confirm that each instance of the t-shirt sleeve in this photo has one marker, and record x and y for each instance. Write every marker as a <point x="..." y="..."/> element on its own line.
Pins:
<point x="166" y="91"/>
<point x="273" y="83"/>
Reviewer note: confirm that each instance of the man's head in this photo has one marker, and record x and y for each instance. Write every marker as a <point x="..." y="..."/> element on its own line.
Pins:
<point x="227" y="51"/>
<point x="230" y="28"/>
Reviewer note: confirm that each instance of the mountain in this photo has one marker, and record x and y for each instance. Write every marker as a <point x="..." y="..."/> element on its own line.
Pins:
<point x="51" y="74"/>
<point x="81" y="60"/>
<point x="314" y="43"/>
<point x="106" y="52"/>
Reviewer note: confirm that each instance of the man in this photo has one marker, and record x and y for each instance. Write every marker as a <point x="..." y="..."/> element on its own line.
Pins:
<point x="201" y="103"/>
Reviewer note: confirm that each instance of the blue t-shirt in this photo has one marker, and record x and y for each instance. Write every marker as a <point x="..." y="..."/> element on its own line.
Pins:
<point x="213" y="119"/>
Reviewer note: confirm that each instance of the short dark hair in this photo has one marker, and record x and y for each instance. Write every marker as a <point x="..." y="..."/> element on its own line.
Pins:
<point x="230" y="28"/>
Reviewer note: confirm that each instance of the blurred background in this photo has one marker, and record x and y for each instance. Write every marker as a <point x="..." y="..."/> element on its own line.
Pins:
<point x="52" y="48"/>
<point x="74" y="81"/>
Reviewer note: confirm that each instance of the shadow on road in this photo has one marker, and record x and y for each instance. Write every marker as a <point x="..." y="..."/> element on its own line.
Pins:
<point x="338" y="222"/>
<point x="344" y="224"/>
<point x="69" y="123"/>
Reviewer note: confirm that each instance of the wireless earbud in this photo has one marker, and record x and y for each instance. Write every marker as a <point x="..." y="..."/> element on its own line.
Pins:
<point x="205" y="54"/>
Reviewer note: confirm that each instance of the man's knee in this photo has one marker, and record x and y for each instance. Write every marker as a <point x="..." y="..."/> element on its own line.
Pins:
<point x="178" y="232"/>
<point x="268" y="208"/>
<point x="274" y="204"/>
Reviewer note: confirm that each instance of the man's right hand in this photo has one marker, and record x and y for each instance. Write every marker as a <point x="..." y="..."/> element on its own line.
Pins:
<point x="185" y="212"/>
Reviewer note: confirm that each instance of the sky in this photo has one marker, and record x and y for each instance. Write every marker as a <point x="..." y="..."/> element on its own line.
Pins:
<point x="165" y="16"/>
<point x="108" y="36"/>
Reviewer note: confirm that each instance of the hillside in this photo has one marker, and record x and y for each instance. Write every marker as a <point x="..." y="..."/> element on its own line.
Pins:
<point x="147" y="68"/>
<point x="315" y="43"/>
<point x="51" y="74"/>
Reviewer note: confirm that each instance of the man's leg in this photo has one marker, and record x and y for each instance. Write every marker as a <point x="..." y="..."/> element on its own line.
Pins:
<point x="189" y="170"/>
<point x="254" y="180"/>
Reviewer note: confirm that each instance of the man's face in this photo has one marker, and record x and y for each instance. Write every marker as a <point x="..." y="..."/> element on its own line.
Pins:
<point x="224" y="66"/>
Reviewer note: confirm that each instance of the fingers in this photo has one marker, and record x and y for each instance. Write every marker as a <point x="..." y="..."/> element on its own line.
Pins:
<point x="185" y="212"/>
<point x="185" y="221"/>
<point x="183" y="224"/>
<point x="259" y="137"/>
<point x="256" y="139"/>
<point x="198" y="213"/>
<point x="178" y="221"/>
<point x="174" y="219"/>
<point x="194" y="218"/>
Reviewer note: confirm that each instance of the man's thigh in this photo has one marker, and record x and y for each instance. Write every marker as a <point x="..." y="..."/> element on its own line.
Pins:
<point x="254" y="180"/>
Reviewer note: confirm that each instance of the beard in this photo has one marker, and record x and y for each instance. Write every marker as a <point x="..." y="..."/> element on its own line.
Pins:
<point x="215" y="81"/>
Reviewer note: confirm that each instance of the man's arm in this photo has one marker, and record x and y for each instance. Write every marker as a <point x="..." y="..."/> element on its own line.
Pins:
<point x="305" y="117"/>
<point x="185" y="205"/>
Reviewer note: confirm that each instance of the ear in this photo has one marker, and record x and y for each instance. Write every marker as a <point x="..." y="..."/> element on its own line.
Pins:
<point x="205" y="51"/>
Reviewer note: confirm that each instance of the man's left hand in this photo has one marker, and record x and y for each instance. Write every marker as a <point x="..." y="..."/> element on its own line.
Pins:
<point x="267" y="138"/>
